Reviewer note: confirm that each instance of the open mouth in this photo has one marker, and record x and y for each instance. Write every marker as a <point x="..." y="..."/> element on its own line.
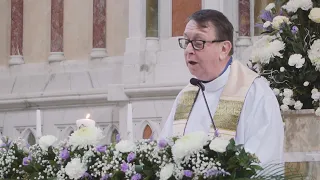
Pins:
<point x="192" y="62"/>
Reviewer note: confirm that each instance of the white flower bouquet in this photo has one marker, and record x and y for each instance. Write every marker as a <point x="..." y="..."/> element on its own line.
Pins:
<point x="288" y="53"/>
<point x="193" y="156"/>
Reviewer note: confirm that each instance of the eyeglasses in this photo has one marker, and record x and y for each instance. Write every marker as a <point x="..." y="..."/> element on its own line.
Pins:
<point x="196" y="44"/>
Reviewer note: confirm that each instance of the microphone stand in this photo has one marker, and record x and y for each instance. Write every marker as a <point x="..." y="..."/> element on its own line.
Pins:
<point x="198" y="83"/>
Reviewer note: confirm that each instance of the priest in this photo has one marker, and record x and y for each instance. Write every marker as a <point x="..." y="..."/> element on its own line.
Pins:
<point x="241" y="103"/>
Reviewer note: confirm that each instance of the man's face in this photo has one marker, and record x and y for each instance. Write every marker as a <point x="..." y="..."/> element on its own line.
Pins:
<point x="205" y="64"/>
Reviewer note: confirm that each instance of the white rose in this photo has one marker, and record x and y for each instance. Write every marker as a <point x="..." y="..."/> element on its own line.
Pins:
<point x="166" y="172"/>
<point x="276" y="91"/>
<point x="314" y="90"/>
<point x="306" y="4"/>
<point x="46" y="141"/>
<point x="266" y="24"/>
<point x="318" y="111"/>
<point x="287" y="93"/>
<point x="75" y="168"/>
<point x="298" y="105"/>
<point x="306" y="83"/>
<point x="296" y="60"/>
<point x="219" y="145"/>
<point x="282" y="69"/>
<point x="278" y="20"/>
<point x="125" y="146"/>
<point x="315" y="15"/>
<point x="288" y="101"/>
<point x="284" y="107"/>
<point x="270" y="6"/>
<point x="315" y="96"/>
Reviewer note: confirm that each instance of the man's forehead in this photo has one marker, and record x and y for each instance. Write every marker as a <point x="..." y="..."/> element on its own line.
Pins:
<point x="194" y="29"/>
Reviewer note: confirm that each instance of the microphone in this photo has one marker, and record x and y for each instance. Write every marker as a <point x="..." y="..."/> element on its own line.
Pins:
<point x="197" y="82"/>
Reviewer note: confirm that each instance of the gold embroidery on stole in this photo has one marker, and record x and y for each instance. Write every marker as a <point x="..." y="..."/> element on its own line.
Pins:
<point x="227" y="114"/>
<point x="229" y="108"/>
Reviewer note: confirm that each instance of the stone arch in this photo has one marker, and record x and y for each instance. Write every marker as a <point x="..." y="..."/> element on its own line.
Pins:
<point x="147" y="132"/>
<point x="113" y="137"/>
<point x="29" y="137"/>
<point x="68" y="131"/>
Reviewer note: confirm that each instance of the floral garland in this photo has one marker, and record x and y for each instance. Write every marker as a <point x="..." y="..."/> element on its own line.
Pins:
<point x="288" y="53"/>
<point x="193" y="156"/>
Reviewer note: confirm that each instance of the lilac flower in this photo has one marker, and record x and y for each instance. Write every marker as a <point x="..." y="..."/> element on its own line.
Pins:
<point x="136" y="177"/>
<point x="151" y="137"/>
<point x="131" y="156"/>
<point x="64" y="154"/>
<point x="216" y="133"/>
<point x="26" y="160"/>
<point x="162" y="143"/>
<point x="188" y="173"/>
<point x="86" y="175"/>
<point x="266" y="15"/>
<point x="101" y="148"/>
<point x="105" y="177"/>
<point x="118" y="138"/>
<point x="281" y="12"/>
<point x="215" y="172"/>
<point x="124" y="167"/>
<point x="294" y="30"/>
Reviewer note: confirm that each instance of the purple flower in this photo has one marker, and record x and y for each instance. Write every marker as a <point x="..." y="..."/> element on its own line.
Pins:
<point x="105" y="177"/>
<point x="188" y="173"/>
<point x="215" y="172"/>
<point x="86" y="175"/>
<point x="136" y="177"/>
<point x="216" y="133"/>
<point x="124" y="167"/>
<point x="266" y="15"/>
<point x="281" y="12"/>
<point x="101" y="148"/>
<point x="131" y="156"/>
<point x="64" y="154"/>
<point x="26" y="160"/>
<point x="294" y="30"/>
<point x="118" y="138"/>
<point x="162" y="143"/>
<point x="151" y="137"/>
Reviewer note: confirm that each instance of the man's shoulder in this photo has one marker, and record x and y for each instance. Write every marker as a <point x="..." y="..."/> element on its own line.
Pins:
<point x="261" y="90"/>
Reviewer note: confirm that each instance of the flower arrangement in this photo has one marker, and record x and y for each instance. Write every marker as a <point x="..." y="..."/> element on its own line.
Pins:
<point x="81" y="156"/>
<point x="288" y="53"/>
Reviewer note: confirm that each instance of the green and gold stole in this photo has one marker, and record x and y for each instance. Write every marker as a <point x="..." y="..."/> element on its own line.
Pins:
<point x="230" y="104"/>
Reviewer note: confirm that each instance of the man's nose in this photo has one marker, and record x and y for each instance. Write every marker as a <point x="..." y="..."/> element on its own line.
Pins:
<point x="189" y="48"/>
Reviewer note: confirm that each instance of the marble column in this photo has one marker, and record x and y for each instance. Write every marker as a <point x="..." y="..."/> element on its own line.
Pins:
<point x="165" y="18"/>
<point x="244" y="17"/>
<point x="16" y="44"/>
<point x="244" y="37"/>
<point x="213" y="4"/>
<point x="99" y="29"/>
<point x="56" y="48"/>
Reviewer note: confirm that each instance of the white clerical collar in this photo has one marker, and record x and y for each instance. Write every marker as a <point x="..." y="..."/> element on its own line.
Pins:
<point x="218" y="83"/>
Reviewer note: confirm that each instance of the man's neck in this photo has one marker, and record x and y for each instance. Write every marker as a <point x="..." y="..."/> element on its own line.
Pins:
<point x="226" y="65"/>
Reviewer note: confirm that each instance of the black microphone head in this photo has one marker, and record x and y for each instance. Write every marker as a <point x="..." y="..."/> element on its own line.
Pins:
<point x="197" y="82"/>
<point x="194" y="81"/>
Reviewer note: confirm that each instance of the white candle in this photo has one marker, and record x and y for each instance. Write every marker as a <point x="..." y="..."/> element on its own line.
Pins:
<point x="85" y="122"/>
<point x="38" y="124"/>
<point x="129" y="122"/>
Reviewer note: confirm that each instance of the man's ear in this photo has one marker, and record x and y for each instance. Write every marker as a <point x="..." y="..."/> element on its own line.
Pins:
<point x="225" y="50"/>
